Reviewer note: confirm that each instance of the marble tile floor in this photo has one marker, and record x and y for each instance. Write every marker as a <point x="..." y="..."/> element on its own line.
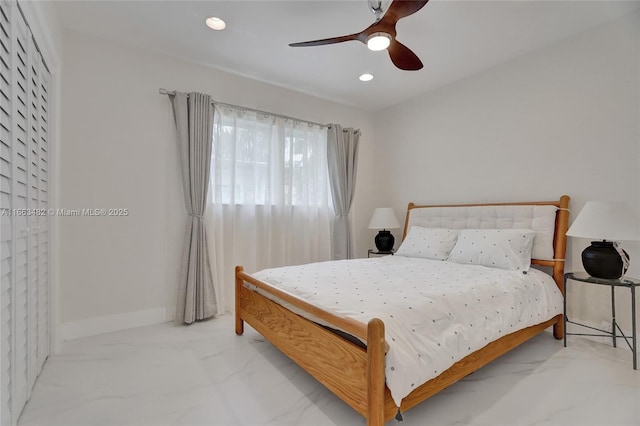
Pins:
<point x="204" y="374"/>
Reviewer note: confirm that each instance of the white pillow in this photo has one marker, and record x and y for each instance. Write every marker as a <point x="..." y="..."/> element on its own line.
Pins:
<point x="428" y="243"/>
<point x="496" y="248"/>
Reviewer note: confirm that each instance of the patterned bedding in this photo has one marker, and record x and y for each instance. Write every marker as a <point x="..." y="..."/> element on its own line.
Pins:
<point x="435" y="312"/>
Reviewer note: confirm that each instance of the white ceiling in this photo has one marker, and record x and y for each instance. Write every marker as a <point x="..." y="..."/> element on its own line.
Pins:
<point x="453" y="38"/>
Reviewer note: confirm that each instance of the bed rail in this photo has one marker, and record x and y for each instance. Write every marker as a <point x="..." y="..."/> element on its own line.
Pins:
<point x="353" y="327"/>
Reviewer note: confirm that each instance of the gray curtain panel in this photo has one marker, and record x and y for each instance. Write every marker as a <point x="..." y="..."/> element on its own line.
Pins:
<point x="342" y="154"/>
<point x="193" y="115"/>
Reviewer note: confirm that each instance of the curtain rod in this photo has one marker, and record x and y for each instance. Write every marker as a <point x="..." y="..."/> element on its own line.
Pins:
<point x="167" y="92"/>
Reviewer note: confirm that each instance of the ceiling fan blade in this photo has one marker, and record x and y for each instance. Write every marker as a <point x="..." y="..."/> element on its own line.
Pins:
<point x="403" y="58"/>
<point x="324" y="41"/>
<point x="402" y="8"/>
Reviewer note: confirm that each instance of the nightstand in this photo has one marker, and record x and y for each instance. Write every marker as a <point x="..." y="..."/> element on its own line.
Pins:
<point x="379" y="253"/>
<point x="627" y="282"/>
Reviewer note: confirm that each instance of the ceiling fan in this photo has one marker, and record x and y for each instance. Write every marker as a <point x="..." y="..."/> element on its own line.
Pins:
<point x="382" y="34"/>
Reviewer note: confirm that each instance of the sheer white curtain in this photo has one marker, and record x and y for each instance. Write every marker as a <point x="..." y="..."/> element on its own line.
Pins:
<point x="270" y="202"/>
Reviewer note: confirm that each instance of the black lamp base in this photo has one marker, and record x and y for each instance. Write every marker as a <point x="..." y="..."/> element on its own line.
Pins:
<point x="602" y="260"/>
<point x="384" y="241"/>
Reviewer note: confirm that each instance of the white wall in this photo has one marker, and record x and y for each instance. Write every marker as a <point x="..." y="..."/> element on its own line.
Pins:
<point x="118" y="151"/>
<point x="562" y="120"/>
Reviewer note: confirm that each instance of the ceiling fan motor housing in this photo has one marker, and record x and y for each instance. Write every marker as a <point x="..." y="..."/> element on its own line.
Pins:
<point x="378" y="7"/>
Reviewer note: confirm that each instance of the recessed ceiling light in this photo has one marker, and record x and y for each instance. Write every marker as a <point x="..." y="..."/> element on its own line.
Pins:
<point x="215" y="23"/>
<point x="366" y="77"/>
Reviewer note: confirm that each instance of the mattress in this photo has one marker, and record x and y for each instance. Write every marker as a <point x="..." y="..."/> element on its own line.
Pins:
<point x="435" y="312"/>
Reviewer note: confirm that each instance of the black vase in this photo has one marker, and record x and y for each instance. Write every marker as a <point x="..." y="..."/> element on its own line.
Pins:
<point x="384" y="241"/>
<point x="602" y="260"/>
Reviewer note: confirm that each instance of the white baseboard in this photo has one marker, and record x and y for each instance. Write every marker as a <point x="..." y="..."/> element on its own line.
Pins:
<point x="106" y="324"/>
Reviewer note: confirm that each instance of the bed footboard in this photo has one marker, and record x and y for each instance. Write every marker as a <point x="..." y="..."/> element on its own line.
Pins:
<point x="354" y="374"/>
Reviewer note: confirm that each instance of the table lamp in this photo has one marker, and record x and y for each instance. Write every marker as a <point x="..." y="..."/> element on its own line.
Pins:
<point x="608" y="222"/>
<point x="383" y="219"/>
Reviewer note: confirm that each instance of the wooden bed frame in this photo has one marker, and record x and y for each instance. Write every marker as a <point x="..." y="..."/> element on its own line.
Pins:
<point x="355" y="374"/>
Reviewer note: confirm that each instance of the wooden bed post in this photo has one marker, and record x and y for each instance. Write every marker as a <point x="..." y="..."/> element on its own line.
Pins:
<point x="406" y="221"/>
<point x="560" y="249"/>
<point x="239" y="284"/>
<point x="375" y="372"/>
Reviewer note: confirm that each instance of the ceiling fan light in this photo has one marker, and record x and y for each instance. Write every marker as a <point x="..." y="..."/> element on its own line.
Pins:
<point x="366" y="77"/>
<point x="378" y="41"/>
<point x="215" y="23"/>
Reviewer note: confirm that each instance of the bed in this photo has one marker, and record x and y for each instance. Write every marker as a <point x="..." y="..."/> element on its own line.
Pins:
<point x="353" y="356"/>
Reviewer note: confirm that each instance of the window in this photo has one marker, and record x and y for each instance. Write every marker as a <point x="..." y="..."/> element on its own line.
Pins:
<point x="265" y="160"/>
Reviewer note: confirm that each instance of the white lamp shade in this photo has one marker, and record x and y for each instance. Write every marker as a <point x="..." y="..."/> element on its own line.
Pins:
<point x="606" y="220"/>
<point x="384" y="218"/>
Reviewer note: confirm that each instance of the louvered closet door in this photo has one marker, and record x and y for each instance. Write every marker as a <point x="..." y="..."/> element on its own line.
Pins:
<point x="20" y="88"/>
<point x="43" y="220"/>
<point x="6" y="204"/>
<point x="38" y="220"/>
<point x="24" y="198"/>
<point x="33" y="222"/>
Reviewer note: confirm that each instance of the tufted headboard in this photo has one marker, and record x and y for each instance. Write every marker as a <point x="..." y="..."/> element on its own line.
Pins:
<point x="549" y="219"/>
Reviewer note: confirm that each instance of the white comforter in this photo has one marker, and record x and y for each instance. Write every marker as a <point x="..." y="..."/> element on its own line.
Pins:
<point x="435" y="312"/>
